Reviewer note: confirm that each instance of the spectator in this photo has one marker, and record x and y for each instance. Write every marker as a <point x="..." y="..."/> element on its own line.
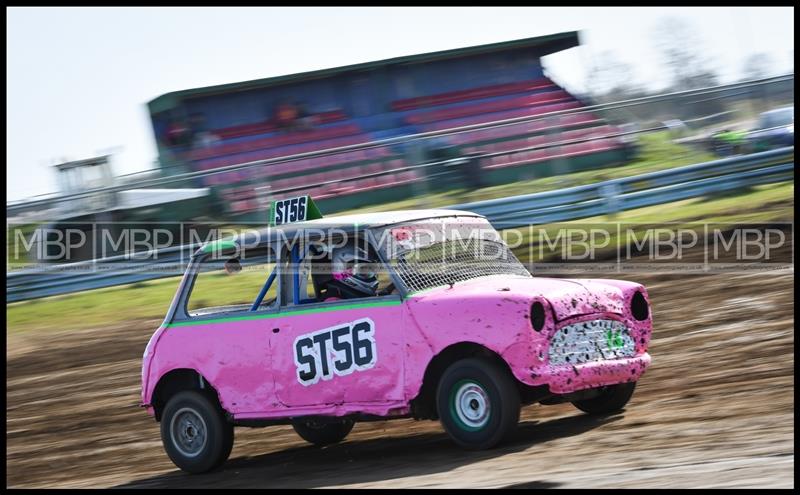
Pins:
<point x="197" y="123"/>
<point x="200" y="136"/>
<point x="205" y="139"/>
<point x="178" y="133"/>
<point x="305" y="121"/>
<point x="286" y="116"/>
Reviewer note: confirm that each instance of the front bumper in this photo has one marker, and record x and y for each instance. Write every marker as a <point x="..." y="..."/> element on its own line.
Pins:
<point x="564" y="379"/>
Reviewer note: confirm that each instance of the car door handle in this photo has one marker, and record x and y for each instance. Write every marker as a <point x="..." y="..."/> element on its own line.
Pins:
<point x="276" y="330"/>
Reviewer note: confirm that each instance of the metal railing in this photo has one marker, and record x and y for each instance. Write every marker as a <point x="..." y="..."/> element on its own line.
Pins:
<point x="573" y="203"/>
<point x="637" y="191"/>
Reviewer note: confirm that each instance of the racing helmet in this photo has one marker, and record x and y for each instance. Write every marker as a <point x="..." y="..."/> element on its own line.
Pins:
<point x="352" y="267"/>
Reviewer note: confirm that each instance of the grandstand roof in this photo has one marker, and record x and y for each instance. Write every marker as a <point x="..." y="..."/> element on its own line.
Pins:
<point x="545" y="45"/>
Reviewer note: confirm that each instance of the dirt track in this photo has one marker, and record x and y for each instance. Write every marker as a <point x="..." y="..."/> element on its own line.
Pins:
<point x="714" y="410"/>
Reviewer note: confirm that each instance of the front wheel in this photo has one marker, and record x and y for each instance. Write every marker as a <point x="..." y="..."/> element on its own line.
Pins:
<point x="196" y="436"/>
<point x="611" y="399"/>
<point x="478" y="403"/>
<point x="322" y="433"/>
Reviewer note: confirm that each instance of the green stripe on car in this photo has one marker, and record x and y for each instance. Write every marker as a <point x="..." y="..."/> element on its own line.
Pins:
<point x="283" y="314"/>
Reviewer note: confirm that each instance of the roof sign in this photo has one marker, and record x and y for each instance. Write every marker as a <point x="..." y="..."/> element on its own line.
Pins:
<point x="293" y="210"/>
<point x="219" y="245"/>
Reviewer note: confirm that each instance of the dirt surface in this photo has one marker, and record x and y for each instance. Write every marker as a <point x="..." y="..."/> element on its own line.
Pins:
<point x="715" y="409"/>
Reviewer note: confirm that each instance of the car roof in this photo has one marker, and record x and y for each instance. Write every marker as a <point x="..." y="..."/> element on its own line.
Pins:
<point x="343" y="223"/>
<point x="382" y="218"/>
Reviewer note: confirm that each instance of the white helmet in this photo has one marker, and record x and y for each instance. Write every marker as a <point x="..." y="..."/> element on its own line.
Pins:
<point x="352" y="267"/>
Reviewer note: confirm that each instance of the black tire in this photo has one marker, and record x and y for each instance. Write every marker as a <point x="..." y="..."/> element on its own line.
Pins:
<point x="612" y="399"/>
<point x="478" y="403"/>
<point x="227" y="447"/>
<point x="322" y="433"/>
<point x="189" y="417"/>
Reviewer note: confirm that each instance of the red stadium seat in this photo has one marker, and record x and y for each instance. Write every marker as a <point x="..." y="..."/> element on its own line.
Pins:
<point x="524" y="128"/>
<point x="508" y="114"/>
<point x="224" y="149"/>
<point x="470" y="94"/>
<point x="488" y="107"/>
<point x="565" y="151"/>
<point x="266" y="126"/>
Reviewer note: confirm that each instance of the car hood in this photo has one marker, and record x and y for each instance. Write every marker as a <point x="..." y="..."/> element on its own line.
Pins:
<point x="566" y="297"/>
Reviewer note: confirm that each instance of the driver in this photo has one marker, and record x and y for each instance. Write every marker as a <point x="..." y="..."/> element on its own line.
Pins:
<point x="353" y="274"/>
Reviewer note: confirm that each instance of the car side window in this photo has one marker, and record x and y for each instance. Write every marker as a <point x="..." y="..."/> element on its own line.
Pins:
<point x="327" y="275"/>
<point x="232" y="282"/>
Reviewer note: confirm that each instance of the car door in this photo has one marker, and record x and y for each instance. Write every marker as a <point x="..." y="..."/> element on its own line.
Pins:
<point x="339" y="352"/>
<point x="343" y="351"/>
<point x="228" y="343"/>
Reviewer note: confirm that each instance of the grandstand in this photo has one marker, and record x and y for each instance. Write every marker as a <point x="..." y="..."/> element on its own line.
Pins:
<point x="206" y="128"/>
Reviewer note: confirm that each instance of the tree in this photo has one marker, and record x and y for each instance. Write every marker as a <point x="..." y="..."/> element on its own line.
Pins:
<point x="610" y="79"/>
<point x="682" y="52"/>
<point x="758" y="66"/>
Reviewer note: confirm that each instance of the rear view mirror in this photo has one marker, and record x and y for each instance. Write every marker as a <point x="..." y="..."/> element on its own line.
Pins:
<point x="233" y="266"/>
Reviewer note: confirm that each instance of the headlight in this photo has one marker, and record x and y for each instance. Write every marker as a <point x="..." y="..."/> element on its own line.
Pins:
<point x="639" y="308"/>
<point x="538" y="316"/>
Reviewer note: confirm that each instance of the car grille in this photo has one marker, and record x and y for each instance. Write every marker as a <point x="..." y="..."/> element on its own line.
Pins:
<point x="589" y="341"/>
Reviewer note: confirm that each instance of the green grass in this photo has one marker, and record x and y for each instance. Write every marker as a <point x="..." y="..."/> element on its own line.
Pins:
<point x="769" y="202"/>
<point x="217" y="288"/>
<point x="762" y="204"/>
<point x="150" y="300"/>
<point x="143" y="300"/>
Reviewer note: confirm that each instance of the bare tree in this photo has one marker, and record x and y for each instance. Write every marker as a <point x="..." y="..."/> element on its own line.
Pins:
<point x="682" y="51"/>
<point x="758" y="66"/>
<point x="611" y="79"/>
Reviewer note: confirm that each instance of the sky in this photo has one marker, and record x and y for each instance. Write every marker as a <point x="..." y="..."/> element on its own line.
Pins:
<point x="78" y="79"/>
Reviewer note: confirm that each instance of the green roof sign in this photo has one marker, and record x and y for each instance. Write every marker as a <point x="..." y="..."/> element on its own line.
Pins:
<point x="219" y="245"/>
<point x="293" y="210"/>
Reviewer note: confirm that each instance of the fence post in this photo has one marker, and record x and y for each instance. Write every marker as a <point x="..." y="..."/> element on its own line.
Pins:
<point x="610" y="193"/>
<point x="414" y="154"/>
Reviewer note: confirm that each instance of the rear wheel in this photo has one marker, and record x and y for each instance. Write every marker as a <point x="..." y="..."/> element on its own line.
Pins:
<point x="323" y="433"/>
<point x="611" y="399"/>
<point x="478" y="403"/>
<point x="195" y="434"/>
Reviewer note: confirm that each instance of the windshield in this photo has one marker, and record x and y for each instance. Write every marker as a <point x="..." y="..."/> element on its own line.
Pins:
<point x="777" y="118"/>
<point x="442" y="251"/>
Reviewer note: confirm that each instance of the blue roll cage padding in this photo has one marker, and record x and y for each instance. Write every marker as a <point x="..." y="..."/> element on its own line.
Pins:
<point x="295" y="257"/>
<point x="264" y="290"/>
<point x="296" y="275"/>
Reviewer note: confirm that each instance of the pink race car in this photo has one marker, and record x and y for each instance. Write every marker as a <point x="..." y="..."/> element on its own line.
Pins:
<point x="424" y="314"/>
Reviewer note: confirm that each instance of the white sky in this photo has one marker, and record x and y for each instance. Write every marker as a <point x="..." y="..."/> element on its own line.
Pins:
<point x="78" y="79"/>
